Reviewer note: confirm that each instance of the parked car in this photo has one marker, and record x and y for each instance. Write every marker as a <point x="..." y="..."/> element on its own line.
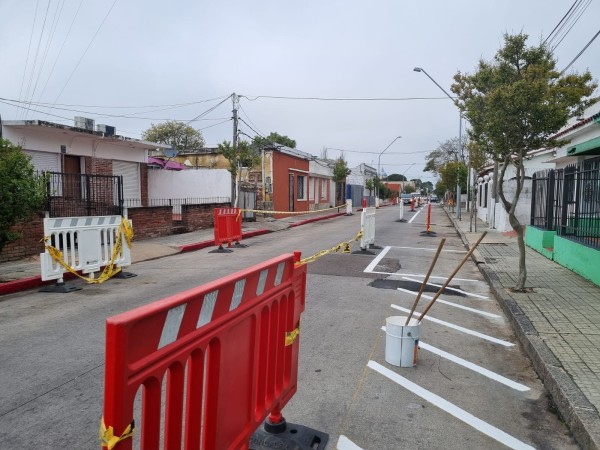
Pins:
<point x="406" y="198"/>
<point x="434" y="198"/>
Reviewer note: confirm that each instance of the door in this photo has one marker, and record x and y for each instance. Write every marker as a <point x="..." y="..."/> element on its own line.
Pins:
<point x="71" y="177"/>
<point x="291" y="192"/>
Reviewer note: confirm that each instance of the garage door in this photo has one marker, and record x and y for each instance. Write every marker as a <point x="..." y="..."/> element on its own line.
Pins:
<point x="44" y="161"/>
<point x="131" y="178"/>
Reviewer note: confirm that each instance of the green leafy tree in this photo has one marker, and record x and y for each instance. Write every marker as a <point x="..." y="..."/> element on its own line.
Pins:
<point x="22" y="192"/>
<point x="273" y="138"/>
<point x="451" y="172"/>
<point x="427" y="187"/>
<point x="244" y="155"/>
<point x="177" y="134"/>
<point x="369" y="185"/>
<point x="340" y="172"/>
<point x="515" y="104"/>
<point x="408" y="189"/>
<point x="440" y="189"/>
<point x="396" y="177"/>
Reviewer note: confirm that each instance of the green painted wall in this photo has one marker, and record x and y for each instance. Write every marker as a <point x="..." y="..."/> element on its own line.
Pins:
<point x="579" y="258"/>
<point x="540" y="240"/>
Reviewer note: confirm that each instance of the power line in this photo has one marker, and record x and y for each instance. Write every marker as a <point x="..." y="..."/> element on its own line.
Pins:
<point x="28" y="49"/>
<point x="85" y="51"/>
<point x="560" y="21"/>
<point x="342" y="99"/>
<point x="37" y="51"/>
<point x="574" y="22"/>
<point x="250" y="120"/>
<point x="60" y="52"/>
<point x="377" y="153"/>
<point x="580" y="53"/>
<point x="209" y="110"/>
<point x="256" y="132"/>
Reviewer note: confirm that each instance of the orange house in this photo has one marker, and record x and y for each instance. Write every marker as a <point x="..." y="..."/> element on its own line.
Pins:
<point x="286" y="176"/>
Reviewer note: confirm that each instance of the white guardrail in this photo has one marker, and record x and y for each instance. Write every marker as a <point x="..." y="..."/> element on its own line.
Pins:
<point x="86" y="243"/>
<point x="367" y="225"/>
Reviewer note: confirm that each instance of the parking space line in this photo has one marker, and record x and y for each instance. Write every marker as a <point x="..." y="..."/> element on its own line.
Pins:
<point x="375" y="261"/>
<point x="427" y="249"/>
<point x="413" y="217"/>
<point x="450" y="408"/>
<point x="344" y="443"/>
<point x="458" y="328"/>
<point x="454" y="305"/>
<point x="392" y="274"/>
<point x="469" y="294"/>
<point x="474" y="367"/>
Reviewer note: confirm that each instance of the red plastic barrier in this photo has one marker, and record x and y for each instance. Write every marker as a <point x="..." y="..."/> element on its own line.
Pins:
<point x="228" y="349"/>
<point x="364" y="202"/>
<point x="228" y="226"/>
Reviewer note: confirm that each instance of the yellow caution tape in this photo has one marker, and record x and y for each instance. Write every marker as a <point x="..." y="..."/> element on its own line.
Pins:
<point x="107" y="435"/>
<point x="291" y="336"/>
<point x="109" y="270"/>
<point x="344" y="246"/>
<point x="262" y="211"/>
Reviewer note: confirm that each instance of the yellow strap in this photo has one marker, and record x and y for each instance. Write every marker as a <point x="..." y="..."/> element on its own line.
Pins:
<point x="291" y="336"/>
<point x="262" y="211"/>
<point x="344" y="246"/>
<point x="107" y="435"/>
<point x="110" y="270"/>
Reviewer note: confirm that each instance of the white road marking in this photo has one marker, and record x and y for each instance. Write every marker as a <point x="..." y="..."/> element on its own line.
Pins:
<point x="413" y="217"/>
<point x="450" y="408"/>
<point x="474" y="367"/>
<point x="454" y="305"/>
<point x="458" y="328"/>
<point x="344" y="443"/>
<point x="397" y="274"/>
<point x="427" y="249"/>
<point x="379" y="257"/>
<point x="469" y="294"/>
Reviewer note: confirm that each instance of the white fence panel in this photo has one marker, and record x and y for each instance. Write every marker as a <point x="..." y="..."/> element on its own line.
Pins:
<point x="367" y="225"/>
<point x="87" y="244"/>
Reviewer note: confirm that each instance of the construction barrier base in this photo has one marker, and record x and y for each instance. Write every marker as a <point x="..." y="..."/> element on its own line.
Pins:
<point x="60" y="288"/>
<point x="428" y="233"/>
<point x="124" y="275"/>
<point x="287" y="436"/>
<point x="401" y="220"/>
<point x="375" y="247"/>
<point x="221" y="250"/>
<point x="238" y="245"/>
<point x="363" y="252"/>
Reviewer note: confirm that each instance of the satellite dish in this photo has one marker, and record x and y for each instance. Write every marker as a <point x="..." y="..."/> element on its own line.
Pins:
<point x="170" y="152"/>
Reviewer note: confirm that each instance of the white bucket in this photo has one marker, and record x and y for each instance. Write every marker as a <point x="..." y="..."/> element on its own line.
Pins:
<point x="401" y="342"/>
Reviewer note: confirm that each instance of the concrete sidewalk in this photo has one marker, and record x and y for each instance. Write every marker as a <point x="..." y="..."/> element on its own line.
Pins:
<point x="558" y="324"/>
<point x="24" y="274"/>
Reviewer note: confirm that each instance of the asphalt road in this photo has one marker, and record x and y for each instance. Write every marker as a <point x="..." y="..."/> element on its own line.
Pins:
<point x="52" y="347"/>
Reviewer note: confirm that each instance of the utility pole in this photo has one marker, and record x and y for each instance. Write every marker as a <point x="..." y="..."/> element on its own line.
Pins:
<point x="235" y="101"/>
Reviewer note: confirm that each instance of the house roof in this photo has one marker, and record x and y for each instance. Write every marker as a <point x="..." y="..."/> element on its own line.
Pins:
<point x="75" y="131"/>
<point x="291" y="151"/>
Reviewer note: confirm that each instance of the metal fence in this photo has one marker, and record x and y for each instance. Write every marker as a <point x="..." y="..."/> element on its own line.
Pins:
<point x="75" y="194"/>
<point x="175" y="203"/>
<point x="568" y="201"/>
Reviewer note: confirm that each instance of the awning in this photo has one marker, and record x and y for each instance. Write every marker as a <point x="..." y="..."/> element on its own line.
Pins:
<point x="591" y="147"/>
<point x="167" y="165"/>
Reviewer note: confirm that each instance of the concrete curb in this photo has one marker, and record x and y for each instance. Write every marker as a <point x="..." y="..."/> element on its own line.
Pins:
<point x="579" y="414"/>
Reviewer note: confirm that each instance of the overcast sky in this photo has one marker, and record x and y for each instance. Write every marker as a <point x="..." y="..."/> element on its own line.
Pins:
<point x="124" y="57"/>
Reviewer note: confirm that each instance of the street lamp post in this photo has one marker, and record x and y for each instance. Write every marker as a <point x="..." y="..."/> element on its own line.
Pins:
<point x="458" y="212"/>
<point x="379" y="170"/>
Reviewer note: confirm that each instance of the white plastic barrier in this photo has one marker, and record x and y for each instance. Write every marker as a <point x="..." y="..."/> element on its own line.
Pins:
<point x="86" y="243"/>
<point x="367" y="225"/>
<point x="349" y="207"/>
<point x="401" y="202"/>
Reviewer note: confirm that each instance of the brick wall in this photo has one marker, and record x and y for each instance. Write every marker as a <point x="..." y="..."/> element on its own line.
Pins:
<point x="98" y="166"/>
<point x="29" y="244"/>
<point x="144" y="183"/>
<point x="151" y="221"/>
<point x="198" y="216"/>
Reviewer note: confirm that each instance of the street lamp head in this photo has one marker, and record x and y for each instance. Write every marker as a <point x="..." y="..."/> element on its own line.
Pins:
<point x="418" y="69"/>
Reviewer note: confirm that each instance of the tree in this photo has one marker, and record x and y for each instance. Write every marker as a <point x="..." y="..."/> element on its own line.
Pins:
<point x="408" y="189"/>
<point x="515" y="104"/>
<point x="452" y="172"/>
<point x="245" y="155"/>
<point x="369" y="185"/>
<point x="340" y="172"/>
<point x="177" y="134"/>
<point x="22" y="192"/>
<point x="446" y="151"/>
<point x="396" y="177"/>
<point x="273" y="138"/>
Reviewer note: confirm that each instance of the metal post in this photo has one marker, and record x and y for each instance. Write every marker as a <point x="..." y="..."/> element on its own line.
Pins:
<point x="458" y="211"/>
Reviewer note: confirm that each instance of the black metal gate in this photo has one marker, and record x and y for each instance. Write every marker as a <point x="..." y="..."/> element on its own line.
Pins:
<point x="75" y="194"/>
